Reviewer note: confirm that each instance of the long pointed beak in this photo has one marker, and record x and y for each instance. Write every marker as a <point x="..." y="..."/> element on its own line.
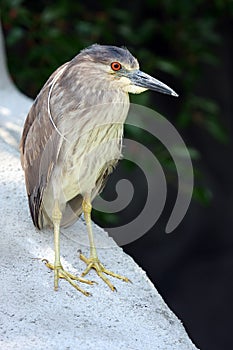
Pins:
<point x="145" y="81"/>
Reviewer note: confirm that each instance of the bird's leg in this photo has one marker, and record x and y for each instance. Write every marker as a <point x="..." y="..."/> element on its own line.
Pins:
<point x="57" y="215"/>
<point x="59" y="271"/>
<point x="93" y="261"/>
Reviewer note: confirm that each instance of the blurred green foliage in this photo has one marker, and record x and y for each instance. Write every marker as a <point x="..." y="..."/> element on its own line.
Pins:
<point x="173" y="40"/>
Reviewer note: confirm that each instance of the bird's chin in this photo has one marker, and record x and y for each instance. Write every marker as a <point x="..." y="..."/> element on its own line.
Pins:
<point x="134" y="89"/>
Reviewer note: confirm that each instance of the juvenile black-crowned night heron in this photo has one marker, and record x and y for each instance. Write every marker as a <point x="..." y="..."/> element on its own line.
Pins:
<point x="72" y="139"/>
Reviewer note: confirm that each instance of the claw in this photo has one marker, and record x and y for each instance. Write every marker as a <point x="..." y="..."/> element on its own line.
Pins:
<point x="59" y="272"/>
<point x="94" y="263"/>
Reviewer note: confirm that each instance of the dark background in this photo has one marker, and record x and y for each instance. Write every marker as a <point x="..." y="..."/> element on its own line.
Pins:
<point x="188" y="45"/>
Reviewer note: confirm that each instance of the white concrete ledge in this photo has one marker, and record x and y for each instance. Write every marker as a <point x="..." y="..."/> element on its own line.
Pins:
<point x="32" y="315"/>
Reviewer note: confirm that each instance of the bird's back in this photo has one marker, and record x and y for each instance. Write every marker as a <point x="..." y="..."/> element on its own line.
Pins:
<point x="70" y="143"/>
<point x="39" y="148"/>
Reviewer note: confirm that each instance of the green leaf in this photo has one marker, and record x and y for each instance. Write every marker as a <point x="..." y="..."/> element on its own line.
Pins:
<point x="203" y="195"/>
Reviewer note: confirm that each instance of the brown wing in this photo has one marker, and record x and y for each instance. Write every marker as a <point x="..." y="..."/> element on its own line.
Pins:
<point x="39" y="146"/>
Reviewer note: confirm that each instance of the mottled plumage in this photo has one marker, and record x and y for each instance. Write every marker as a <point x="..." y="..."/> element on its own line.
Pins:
<point x="72" y="112"/>
<point x="72" y="139"/>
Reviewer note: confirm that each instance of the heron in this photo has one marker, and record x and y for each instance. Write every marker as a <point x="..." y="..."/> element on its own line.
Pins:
<point x="72" y="140"/>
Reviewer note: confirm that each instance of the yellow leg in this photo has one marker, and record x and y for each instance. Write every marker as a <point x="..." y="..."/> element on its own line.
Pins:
<point x="59" y="271"/>
<point x="93" y="261"/>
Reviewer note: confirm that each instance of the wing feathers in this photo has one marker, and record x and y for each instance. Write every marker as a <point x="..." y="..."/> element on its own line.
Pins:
<point x="40" y="145"/>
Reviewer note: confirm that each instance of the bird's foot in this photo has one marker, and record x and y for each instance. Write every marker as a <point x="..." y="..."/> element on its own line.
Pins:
<point x="94" y="263"/>
<point x="59" y="272"/>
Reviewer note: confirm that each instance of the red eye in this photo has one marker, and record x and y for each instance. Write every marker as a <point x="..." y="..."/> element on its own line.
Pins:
<point x="115" y="66"/>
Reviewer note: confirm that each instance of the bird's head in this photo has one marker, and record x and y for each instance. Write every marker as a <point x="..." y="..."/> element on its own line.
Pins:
<point x="119" y="66"/>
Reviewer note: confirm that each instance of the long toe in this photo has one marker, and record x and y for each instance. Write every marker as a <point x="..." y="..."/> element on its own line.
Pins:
<point x="60" y="272"/>
<point x="94" y="263"/>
